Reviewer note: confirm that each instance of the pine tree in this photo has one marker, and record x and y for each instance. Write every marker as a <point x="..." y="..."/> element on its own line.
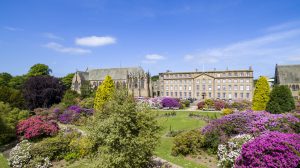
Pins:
<point x="104" y="93"/>
<point x="261" y="94"/>
<point x="281" y="100"/>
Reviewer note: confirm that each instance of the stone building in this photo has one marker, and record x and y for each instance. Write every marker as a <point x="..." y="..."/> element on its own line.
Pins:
<point x="135" y="79"/>
<point x="228" y="84"/>
<point x="288" y="75"/>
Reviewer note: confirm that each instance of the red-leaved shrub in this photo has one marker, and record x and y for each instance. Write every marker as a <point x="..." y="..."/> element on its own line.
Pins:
<point x="36" y="127"/>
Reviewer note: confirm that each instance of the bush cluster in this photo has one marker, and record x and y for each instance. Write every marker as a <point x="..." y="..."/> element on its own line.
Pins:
<point x="170" y="102"/>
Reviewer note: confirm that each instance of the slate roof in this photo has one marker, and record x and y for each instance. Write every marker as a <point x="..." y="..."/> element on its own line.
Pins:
<point x="288" y="74"/>
<point x="115" y="73"/>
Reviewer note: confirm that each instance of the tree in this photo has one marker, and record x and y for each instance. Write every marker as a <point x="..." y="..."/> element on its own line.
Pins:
<point x="70" y="98"/>
<point x="39" y="69"/>
<point x="104" y="93"/>
<point x="124" y="133"/>
<point x="5" y="78"/>
<point x="17" y="82"/>
<point x="12" y="96"/>
<point x="281" y="100"/>
<point x="67" y="80"/>
<point x="42" y="91"/>
<point x="261" y="94"/>
<point x="85" y="89"/>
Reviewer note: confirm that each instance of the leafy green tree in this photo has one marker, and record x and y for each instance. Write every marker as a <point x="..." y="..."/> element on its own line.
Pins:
<point x="261" y="94"/>
<point x="67" y="80"/>
<point x="5" y="78"/>
<point x="104" y="93"/>
<point x="12" y="96"/>
<point x="39" y="69"/>
<point x="86" y="90"/>
<point x="17" y="82"/>
<point x="124" y="133"/>
<point x="70" y="98"/>
<point x="281" y="100"/>
<point x="154" y="78"/>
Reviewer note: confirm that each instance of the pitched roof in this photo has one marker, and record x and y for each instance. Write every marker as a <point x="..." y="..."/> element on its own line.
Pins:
<point x="288" y="74"/>
<point x="115" y="73"/>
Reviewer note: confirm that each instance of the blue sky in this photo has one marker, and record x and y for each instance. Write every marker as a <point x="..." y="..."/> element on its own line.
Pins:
<point x="178" y="35"/>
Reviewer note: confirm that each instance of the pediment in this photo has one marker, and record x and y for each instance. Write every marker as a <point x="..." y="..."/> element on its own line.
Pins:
<point x="204" y="74"/>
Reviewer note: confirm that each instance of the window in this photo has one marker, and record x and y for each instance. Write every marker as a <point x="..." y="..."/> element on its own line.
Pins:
<point x="197" y="86"/>
<point x="235" y="87"/>
<point x="224" y="80"/>
<point x="167" y="87"/>
<point x="171" y="87"/>
<point x="184" y="94"/>
<point x="219" y="87"/>
<point x="229" y="96"/>
<point x="184" y="87"/>
<point x="224" y="95"/>
<point x="229" y="74"/>
<point x="247" y="87"/>
<point x="180" y="87"/>
<point x="248" y="95"/>
<point x="180" y="94"/>
<point x="167" y="93"/>
<point x="203" y="81"/>
<point x="190" y="94"/>
<point x="198" y="94"/>
<point x="242" y="73"/>
<point x="229" y="87"/>
<point x="162" y="93"/>
<point x="175" y="87"/>
<point x="172" y="94"/>
<point x="209" y="87"/>
<point x="209" y="94"/>
<point x="175" y="94"/>
<point x="247" y="81"/>
<point x="241" y="95"/>
<point x="229" y="80"/>
<point x="224" y="87"/>
<point x="197" y="81"/>
<point x="235" y="81"/>
<point x="242" y="81"/>
<point x="180" y="81"/>
<point x="219" y="95"/>
<point x="209" y="81"/>
<point x="171" y="81"/>
<point x="218" y="80"/>
<point x="190" y="87"/>
<point x="166" y="82"/>
<point x="235" y="95"/>
<point x="203" y="87"/>
<point x="241" y="87"/>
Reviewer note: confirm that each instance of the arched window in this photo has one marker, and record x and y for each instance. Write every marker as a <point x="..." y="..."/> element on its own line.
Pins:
<point x="135" y="83"/>
<point x="293" y="87"/>
<point x="142" y="83"/>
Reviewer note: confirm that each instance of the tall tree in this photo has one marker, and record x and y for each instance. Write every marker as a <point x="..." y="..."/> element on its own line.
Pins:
<point x="261" y="94"/>
<point x="281" y="100"/>
<point x="5" y="78"/>
<point x="17" y="82"/>
<point x="42" y="91"/>
<point x="67" y="80"/>
<point x="39" y="69"/>
<point x="104" y="93"/>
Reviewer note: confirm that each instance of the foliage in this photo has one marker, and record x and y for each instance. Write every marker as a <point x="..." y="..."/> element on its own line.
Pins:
<point x="42" y="91"/>
<point x="17" y="82"/>
<point x="219" y="104"/>
<point x="67" y="80"/>
<point x="170" y="102"/>
<point x="241" y="105"/>
<point x="20" y="156"/>
<point x="124" y="132"/>
<point x="187" y="143"/>
<point x="227" y="111"/>
<point x="82" y="146"/>
<point x="86" y="90"/>
<point x="12" y="96"/>
<point x="38" y="70"/>
<point x="281" y="100"/>
<point x="261" y="94"/>
<point x="9" y="117"/>
<point x="36" y="127"/>
<point x="154" y="78"/>
<point x="87" y="103"/>
<point x="70" y="97"/>
<point x="185" y="103"/>
<point x="273" y="149"/>
<point x="228" y="152"/>
<point x="104" y="93"/>
<point x="201" y="105"/>
<point x="39" y="162"/>
<point x="5" y="78"/>
<point x="73" y="114"/>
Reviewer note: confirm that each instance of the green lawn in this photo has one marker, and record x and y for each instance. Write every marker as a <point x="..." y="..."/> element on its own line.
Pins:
<point x="181" y="121"/>
<point x="3" y="161"/>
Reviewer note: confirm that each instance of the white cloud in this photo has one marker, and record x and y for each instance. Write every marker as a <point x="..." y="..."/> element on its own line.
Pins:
<point x="52" y="36"/>
<point x="95" y="41"/>
<point x="9" y="28"/>
<point x="278" y="45"/>
<point x="153" y="58"/>
<point x="68" y="50"/>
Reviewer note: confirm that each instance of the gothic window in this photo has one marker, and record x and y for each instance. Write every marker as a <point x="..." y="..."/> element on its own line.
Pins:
<point x="142" y="83"/>
<point x="135" y="83"/>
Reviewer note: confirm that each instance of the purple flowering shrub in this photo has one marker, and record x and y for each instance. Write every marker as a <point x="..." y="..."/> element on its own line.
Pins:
<point x="271" y="149"/>
<point x="249" y="122"/>
<point x="170" y="102"/>
<point x="73" y="114"/>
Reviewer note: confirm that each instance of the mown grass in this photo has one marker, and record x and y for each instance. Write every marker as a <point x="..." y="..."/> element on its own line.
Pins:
<point x="3" y="161"/>
<point x="181" y="121"/>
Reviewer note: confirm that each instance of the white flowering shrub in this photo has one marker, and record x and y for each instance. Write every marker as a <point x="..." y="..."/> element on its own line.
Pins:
<point x="227" y="153"/>
<point x="20" y="156"/>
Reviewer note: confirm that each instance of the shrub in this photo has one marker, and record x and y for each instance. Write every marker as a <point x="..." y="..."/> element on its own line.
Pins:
<point x="231" y="150"/>
<point x="70" y="97"/>
<point x="187" y="143"/>
<point x="201" y="105"/>
<point x="281" y="100"/>
<point x="241" y="105"/>
<point x="124" y="132"/>
<point x="227" y="111"/>
<point x="219" y="104"/>
<point x="87" y="103"/>
<point x="170" y="102"/>
<point x="185" y="103"/>
<point x="273" y="149"/>
<point x="36" y="127"/>
<point x="73" y="114"/>
<point x="81" y="146"/>
<point x="20" y="156"/>
<point x="261" y="94"/>
<point x="104" y="93"/>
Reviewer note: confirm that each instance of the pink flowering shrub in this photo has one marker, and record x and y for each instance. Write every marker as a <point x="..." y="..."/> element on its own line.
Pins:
<point x="36" y="127"/>
<point x="272" y="149"/>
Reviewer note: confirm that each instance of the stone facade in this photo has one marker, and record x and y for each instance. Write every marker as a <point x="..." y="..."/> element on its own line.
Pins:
<point x="288" y="75"/>
<point x="135" y="79"/>
<point x="227" y="85"/>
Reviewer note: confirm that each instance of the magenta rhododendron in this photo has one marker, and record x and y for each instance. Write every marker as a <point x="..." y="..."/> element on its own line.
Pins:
<point x="36" y="127"/>
<point x="271" y="149"/>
